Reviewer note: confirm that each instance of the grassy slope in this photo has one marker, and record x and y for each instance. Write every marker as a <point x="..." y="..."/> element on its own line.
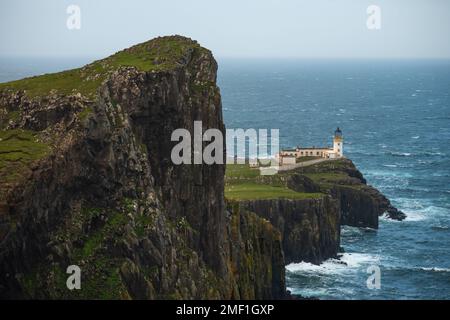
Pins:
<point x="160" y="54"/>
<point x="241" y="183"/>
<point x="329" y="173"/>
<point x="19" y="148"/>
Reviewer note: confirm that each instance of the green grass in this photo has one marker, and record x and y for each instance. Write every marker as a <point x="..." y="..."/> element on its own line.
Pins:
<point x="241" y="171"/>
<point x="160" y="54"/>
<point x="85" y="113"/>
<point x="94" y="241"/>
<point x="306" y="158"/>
<point x="18" y="149"/>
<point x="245" y="183"/>
<point x="326" y="176"/>
<point x="326" y="180"/>
<point x="5" y="118"/>
<point x="253" y="191"/>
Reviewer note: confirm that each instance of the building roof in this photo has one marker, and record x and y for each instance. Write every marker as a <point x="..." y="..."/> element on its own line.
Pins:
<point x="306" y="148"/>
<point x="314" y="148"/>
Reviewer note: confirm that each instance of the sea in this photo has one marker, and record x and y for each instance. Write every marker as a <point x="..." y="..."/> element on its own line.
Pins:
<point x="395" y="119"/>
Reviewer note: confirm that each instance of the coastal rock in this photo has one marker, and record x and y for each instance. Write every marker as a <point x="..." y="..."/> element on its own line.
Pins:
<point x="310" y="228"/>
<point x="87" y="180"/>
<point x="92" y="184"/>
<point x="360" y="204"/>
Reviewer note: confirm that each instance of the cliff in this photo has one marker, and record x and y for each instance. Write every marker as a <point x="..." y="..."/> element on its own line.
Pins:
<point x="360" y="204"/>
<point x="87" y="180"/>
<point x="310" y="227"/>
<point x="310" y="204"/>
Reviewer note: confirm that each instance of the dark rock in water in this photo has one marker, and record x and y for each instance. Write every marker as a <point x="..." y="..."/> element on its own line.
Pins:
<point x="341" y="262"/>
<point x="394" y="213"/>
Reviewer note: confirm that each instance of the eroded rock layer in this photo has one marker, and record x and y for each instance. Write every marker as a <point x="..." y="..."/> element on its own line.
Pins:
<point x="103" y="193"/>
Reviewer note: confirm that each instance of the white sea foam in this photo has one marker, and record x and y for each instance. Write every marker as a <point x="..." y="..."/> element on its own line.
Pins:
<point x="436" y="269"/>
<point x="414" y="216"/>
<point x="440" y="228"/>
<point x="400" y="154"/>
<point x="348" y="262"/>
<point x="385" y="217"/>
<point x="417" y="211"/>
<point x="351" y="231"/>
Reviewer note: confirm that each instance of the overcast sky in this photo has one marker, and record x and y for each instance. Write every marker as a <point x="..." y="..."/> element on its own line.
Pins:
<point x="231" y="28"/>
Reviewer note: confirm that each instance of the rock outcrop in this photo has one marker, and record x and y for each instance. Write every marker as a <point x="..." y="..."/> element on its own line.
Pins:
<point x="360" y="204"/>
<point x="310" y="227"/>
<point x="102" y="192"/>
<point x="86" y="179"/>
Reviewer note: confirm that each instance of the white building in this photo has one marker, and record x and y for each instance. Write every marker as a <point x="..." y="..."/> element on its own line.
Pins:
<point x="337" y="151"/>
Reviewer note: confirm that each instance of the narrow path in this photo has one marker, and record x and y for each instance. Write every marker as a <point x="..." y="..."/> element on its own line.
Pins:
<point x="304" y="164"/>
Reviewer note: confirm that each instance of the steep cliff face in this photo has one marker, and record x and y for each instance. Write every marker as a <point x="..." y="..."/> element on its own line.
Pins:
<point x="310" y="224"/>
<point x="360" y="204"/>
<point x="310" y="228"/>
<point x="87" y="180"/>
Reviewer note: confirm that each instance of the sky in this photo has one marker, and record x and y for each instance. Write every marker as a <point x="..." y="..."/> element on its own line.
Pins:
<point x="231" y="28"/>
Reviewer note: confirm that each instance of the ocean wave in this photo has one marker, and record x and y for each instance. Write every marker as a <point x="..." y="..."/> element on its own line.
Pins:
<point x="362" y="153"/>
<point x="434" y="269"/>
<point x="440" y="228"/>
<point x="408" y="269"/>
<point x="350" y="231"/>
<point x="347" y="262"/>
<point x="415" y="210"/>
<point x="431" y="153"/>
<point x="385" y="217"/>
<point x="388" y="174"/>
<point x="400" y="154"/>
<point x="416" y="154"/>
<point x="414" y="216"/>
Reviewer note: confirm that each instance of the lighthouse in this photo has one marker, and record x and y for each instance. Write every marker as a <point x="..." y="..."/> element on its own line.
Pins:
<point x="290" y="156"/>
<point x="338" y="143"/>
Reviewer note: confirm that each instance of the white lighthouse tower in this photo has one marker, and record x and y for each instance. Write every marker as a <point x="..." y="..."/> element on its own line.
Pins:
<point x="338" y="143"/>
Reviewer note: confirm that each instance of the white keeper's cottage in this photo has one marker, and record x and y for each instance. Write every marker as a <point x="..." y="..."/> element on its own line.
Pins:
<point x="290" y="156"/>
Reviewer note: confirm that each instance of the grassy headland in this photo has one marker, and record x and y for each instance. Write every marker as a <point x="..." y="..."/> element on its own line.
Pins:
<point x="160" y="54"/>
<point x="245" y="183"/>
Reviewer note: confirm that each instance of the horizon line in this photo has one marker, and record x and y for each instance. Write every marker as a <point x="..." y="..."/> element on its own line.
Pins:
<point x="226" y="57"/>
